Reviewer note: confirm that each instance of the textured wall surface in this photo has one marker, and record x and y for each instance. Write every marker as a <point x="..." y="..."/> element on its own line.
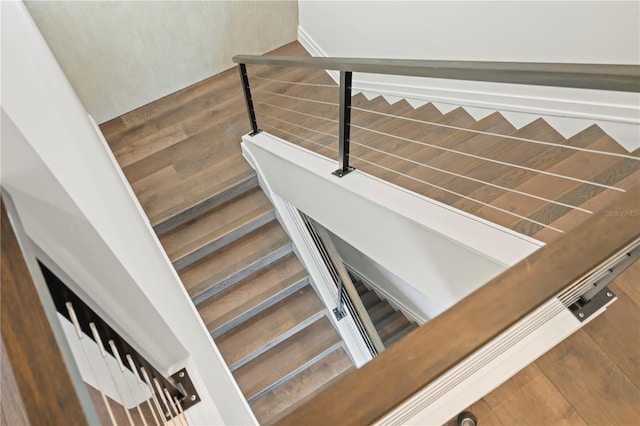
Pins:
<point x="119" y="56"/>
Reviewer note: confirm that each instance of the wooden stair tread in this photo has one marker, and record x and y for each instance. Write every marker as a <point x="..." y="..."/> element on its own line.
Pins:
<point x="233" y="259"/>
<point x="268" y="326"/>
<point x="388" y="327"/>
<point x="493" y="123"/>
<point x="481" y="145"/>
<point x="251" y="295"/>
<point x="407" y="129"/>
<point x="518" y="153"/>
<point x="286" y="358"/>
<point x="297" y="389"/>
<point x="572" y="219"/>
<point x="380" y="311"/>
<point x="580" y="164"/>
<point x="400" y="334"/>
<point x="513" y="178"/>
<point x="195" y="235"/>
<point x="413" y="131"/>
<point x="369" y="299"/>
<point x="578" y="195"/>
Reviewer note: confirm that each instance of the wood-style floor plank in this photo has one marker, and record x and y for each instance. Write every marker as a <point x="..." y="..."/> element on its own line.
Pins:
<point x="518" y="401"/>
<point x="629" y="282"/>
<point x="594" y="386"/>
<point x="617" y="333"/>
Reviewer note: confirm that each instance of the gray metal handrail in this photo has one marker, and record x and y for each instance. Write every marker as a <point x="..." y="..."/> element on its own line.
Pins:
<point x="351" y="290"/>
<point x="623" y="78"/>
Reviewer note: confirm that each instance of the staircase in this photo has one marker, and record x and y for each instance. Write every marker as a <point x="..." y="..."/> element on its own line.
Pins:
<point x="530" y="216"/>
<point x="182" y="156"/>
<point x="391" y="324"/>
<point x="254" y="296"/>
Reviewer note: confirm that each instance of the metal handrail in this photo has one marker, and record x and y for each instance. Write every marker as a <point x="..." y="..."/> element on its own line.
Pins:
<point x="346" y="282"/>
<point x="430" y="351"/>
<point x="623" y="78"/>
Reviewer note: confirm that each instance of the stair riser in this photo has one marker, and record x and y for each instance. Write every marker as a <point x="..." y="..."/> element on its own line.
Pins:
<point x="300" y="326"/>
<point x="259" y="308"/>
<point x="252" y="398"/>
<point x="273" y="256"/>
<point x="228" y="238"/>
<point x="183" y="217"/>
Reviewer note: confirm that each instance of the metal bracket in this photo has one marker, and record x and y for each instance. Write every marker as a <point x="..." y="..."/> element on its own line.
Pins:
<point x="184" y="383"/>
<point x="582" y="310"/>
<point x="342" y="173"/>
<point x="339" y="312"/>
<point x="255" y="133"/>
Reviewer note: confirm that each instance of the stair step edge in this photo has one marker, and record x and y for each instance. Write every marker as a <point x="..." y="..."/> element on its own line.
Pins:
<point x="256" y="309"/>
<point x="271" y="257"/>
<point x="277" y="417"/>
<point x="223" y="240"/>
<point x="281" y="338"/>
<point x="240" y="186"/>
<point x="295" y="371"/>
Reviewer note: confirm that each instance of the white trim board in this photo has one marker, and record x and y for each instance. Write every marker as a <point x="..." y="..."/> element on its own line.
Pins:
<point x="319" y="275"/>
<point x="489" y="367"/>
<point x="384" y="222"/>
<point x="569" y="111"/>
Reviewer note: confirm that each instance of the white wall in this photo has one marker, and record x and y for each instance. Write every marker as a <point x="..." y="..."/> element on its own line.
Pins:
<point x="416" y="305"/>
<point x="76" y="206"/>
<point x="606" y="32"/>
<point x="119" y="56"/>
<point x="601" y="32"/>
<point x="441" y="252"/>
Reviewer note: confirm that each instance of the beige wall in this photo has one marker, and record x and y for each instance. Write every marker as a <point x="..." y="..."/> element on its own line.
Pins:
<point x="119" y="56"/>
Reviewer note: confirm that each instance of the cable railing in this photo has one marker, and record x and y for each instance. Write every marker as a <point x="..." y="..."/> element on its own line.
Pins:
<point x="361" y="134"/>
<point x="470" y="164"/>
<point x="138" y="389"/>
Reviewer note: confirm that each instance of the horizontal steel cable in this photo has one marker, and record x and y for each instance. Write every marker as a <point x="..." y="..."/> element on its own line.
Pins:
<point x="298" y="125"/>
<point x="482" y="132"/>
<point x="503" y="163"/>
<point x="300" y="137"/>
<point x="547" y="200"/>
<point x="296" y="98"/>
<point x="298" y="112"/>
<point x="333" y="86"/>
<point x="458" y="194"/>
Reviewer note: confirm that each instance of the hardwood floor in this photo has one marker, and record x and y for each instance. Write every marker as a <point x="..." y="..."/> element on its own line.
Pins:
<point x="180" y="152"/>
<point x="591" y="378"/>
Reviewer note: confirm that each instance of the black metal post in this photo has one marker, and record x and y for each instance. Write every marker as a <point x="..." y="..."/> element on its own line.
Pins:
<point x="345" y="124"/>
<point x="248" y="99"/>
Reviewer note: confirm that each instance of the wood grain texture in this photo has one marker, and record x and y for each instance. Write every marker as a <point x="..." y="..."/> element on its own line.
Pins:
<point x="629" y="282"/>
<point x="286" y="357"/>
<point x="233" y="258"/>
<point x="12" y="411"/>
<point x="518" y="401"/>
<point x="30" y="345"/>
<point x="251" y="292"/>
<point x="302" y="386"/>
<point x="269" y="325"/>
<point x="597" y="396"/>
<point x="429" y="351"/>
<point x="215" y="225"/>
<point x="617" y="333"/>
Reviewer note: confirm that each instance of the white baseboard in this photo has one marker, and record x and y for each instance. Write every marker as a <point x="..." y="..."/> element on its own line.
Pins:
<point x="569" y="111"/>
